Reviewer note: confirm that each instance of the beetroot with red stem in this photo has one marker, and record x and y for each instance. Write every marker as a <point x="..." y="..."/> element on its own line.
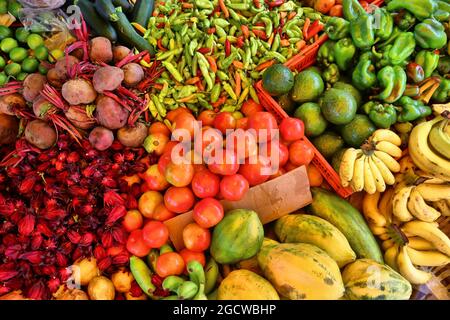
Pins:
<point x="120" y="52"/>
<point x="32" y="86"/>
<point x="101" y="138"/>
<point x="133" y="137"/>
<point x="133" y="74"/>
<point x="110" y="114"/>
<point x="107" y="78"/>
<point x="78" y="91"/>
<point x="79" y="117"/>
<point x="40" y="134"/>
<point x="100" y="50"/>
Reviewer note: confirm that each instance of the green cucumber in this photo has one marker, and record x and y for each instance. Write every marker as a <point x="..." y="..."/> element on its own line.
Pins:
<point x="127" y="7"/>
<point x="106" y="10"/>
<point x="98" y="26"/>
<point x="128" y="34"/>
<point x="348" y="220"/>
<point x="142" y="12"/>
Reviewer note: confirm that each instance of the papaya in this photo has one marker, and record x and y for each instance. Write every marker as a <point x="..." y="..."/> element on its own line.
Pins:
<point x="246" y="285"/>
<point x="237" y="237"/>
<point x="365" y="279"/>
<point x="300" y="271"/>
<point x="348" y="220"/>
<point x="306" y="228"/>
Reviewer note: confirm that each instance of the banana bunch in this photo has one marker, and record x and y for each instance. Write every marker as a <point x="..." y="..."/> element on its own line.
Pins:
<point x="407" y="245"/>
<point x="429" y="144"/>
<point x="371" y="168"/>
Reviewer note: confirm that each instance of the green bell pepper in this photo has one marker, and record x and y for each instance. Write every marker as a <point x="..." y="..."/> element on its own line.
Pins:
<point x="337" y="28"/>
<point x="405" y="20"/>
<point x="382" y="115"/>
<point x="352" y="9"/>
<point x="331" y="74"/>
<point x="325" y="56"/>
<point x="428" y="60"/>
<point x="430" y="34"/>
<point x="444" y="65"/>
<point x="364" y="76"/>
<point x="384" y="23"/>
<point x="344" y="51"/>
<point x="393" y="83"/>
<point x="410" y="109"/>
<point x="362" y="31"/>
<point x="442" y="94"/>
<point x="415" y="72"/>
<point x="399" y="52"/>
<point x="442" y="12"/>
<point x="421" y="9"/>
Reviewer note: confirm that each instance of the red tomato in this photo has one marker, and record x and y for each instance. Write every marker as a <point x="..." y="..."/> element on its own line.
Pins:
<point x="189" y="256"/>
<point x="179" y="174"/>
<point x="290" y="166"/>
<point x="136" y="244"/>
<point x="208" y="212"/>
<point x="161" y="213"/>
<point x="292" y="129"/>
<point x="179" y="200"/>
<point x="225" y="121"/>
<point x="207" y="117"/>
<point x="199" y="168"/>
<point x="133" y="220"/>
<point x="196" y="238"/>
<point x="225" y="164"/>
<point x="243" y="143"/>
<point x="188" y="123"/>
<point x="154" y="179"/>
<point x="242" y="123"/>
<point x="300" y="153"/>
<point x="256" y="170"/>
<point x="159" y="127"/>
<point x="169" y="264"/>
<point x="265" y="125"/>
<point x="205" y="184"/>
<point x="163" y="161"/>
<point x="233" y="188"/>
<point x="280" y="149"/>
<point x="171" y="115"/>
<point x="169" y="146"/>
<point x="212" y="140"/>
<point x="314" y="176"/>
<point x="250" y="107"/>
<point x="155" y="234"/>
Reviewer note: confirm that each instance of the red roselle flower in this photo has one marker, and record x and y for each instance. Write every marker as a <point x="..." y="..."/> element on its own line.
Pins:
<point x="26" y="225"/>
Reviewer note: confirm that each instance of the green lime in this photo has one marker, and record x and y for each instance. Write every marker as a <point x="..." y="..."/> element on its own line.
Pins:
<point x="328" y="143"/>
<point x="14" y="8"/>
<point x="308" y="86"/>
<point x="3" y="6"/>
<point x="286" y="103"/>
<point x="55" y="55"/>
<point x="22" y="35"/>
<point x="3" y="78"/>
<point x="42" y="70"/>
<point x="357" y="131"/>
<point x="18" y="54"/>
<point x="277" y="80"/>
<point x="338" y="106"/>
<point x="34" y="41"/>
<point x="2" y="62"/>
<point x="336" y="159"/>
<point x="41" y="53"/>
<point x="21" y="76"/>
<point x="350" y="89"/>
<point x="311" y="115"/>
<point x="5" y="32"/>
<point x="8" y="44"/>
<point x="13" y="69"/>
<point x="30" y="65"/>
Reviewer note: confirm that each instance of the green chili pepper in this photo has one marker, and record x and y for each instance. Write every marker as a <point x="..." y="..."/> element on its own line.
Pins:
<point x="410" y="109"/>
<point x="276" y="55"/>
<point x="430" y="34"/>
<point x="215" y="92"/>
<point x="204" y="68"/>
<point x="421" y="9"/>
<point x="384" y="23"/>
<point x="344" y="51"/>
<point x="337" y="28"/>
<point x="362" y="31"/>
<point x="220" y="31"/>
<point x="204" y="4"/>
<point x="253" y="94"/>
<point x="221" y="22"/>
<point x="382" y="115"/>
<point x="325" y="56"/>
<point x="269" y="25"/>
<point x="393" y="82"/>
<point x="442" y="94"/>
<point x="229" y="90"/>
<point x="276" y="42"/>
<point x="239" y="6"/>
<point x="222" y="75"/>
<point x="352" y="9"/>
<point x="173" y="71"/>
<point x="429" y="61"/>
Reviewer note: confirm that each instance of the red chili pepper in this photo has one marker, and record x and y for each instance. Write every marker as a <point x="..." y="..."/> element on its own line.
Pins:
<point x="239" y="42"/>
<point x="314" y="29"/>
<point x="204" y="50"/>
<point x="160" y="46"/>
<point x="219" y="102"/>
<point x="276" y="3"/>
<point x="259" y="24"/>
<point x="161" y="25"/>
<point x="211" y="30"/>
<point x="260" y="34"/>
<point x="227" y="47"/>
<point x="257" y="4"/>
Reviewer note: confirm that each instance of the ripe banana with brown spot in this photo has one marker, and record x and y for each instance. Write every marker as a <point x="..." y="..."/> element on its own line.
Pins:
<point x="387" y="175"/>
<point x="409" y="271"/>
<point x="370" y="209"/>
<point x="419" y="243"/>
<point x="386" y="135"/>
<point x="389" y="161"/>
<point x="400" y="203"/>
<point x="420" y="209"/>
<point x="385" y="204"/>
<point x="430" y="232"/>
<point x="378" y="177"/>
<point x="369" y="180"/>
<point x="347" y="166"/>
<point x="427" y="258"/>
<point x="443" y="206"/>
<point x="357" y="182"/>
<point x="389" y="148"/>
<point x="434" y="192"/>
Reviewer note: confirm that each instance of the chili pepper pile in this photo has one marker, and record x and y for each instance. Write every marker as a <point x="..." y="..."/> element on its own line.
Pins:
<point x="213" y="51"/>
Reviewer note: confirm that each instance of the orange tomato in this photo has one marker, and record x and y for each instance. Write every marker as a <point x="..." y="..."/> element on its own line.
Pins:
<point x="225" y="121"/>
<point x="148" y="202"/>
<point x="226" y="164"/>
<point x="132" y="220"/>
<point x="136" y="244"/>
<point x="169" y="264"/>
<point x="155" y="179"/>
<point x="250" y="107"/>
<point x="159" y="127"/>
<point x="323" y="6"/>
<point x="161" y="213"/>
<point x="211" y="139"/>
<point x="243" y="143"/>
<point x="207" y="117"/>
<point x="155" y="234"/>
<point x="290" y="166"/>
<point x="242" y="123"/>
<point x="179" y="174"/>
<point x="171" y="115"/>
<point x="189" y="255"/>
<point x="196" y="238"/>
<point x="179" y="200"/>
<point x="156" y="142"/>
<point x="300" y="153"/>
<point x="184" y="126"/>
<point x="314" y="176"/>
<point x="336" y="11"/>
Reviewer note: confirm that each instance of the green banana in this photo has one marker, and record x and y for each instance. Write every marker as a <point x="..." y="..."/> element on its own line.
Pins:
<point x="187" y="290"/>
<point x="151" y="259"/>
<point x="211" y="275"/>
<point x="173" y="283"/>
<point x="439" y="138"/>
<point x="197" y="275"/>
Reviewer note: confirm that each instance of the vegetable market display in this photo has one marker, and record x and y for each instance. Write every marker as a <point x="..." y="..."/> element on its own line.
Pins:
<point x="146" y="119"/>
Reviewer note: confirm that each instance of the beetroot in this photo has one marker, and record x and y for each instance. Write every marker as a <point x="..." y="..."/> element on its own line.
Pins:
<point x="133" y="74"/>
<point x="80" y="119"/>
<point x="110" y="114"/>
<point x="40" y="134"/>
<point x="32" y="86"/>
<point x="120" y="52"/>
<point x="107" y="79"/>
<point x="101" y="138"/>
<point x="132" y="137"/>
<point x="9" y="127"/>
<point x="11" y="101"/>
<point x="78" y="91"/>
<point x="100" y="50"/>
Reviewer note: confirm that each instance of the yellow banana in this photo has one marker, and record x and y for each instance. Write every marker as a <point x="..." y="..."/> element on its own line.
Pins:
<point x="378" y="177"/>
<point x="400" y="203"/>
<point x="427" y="258"/>
<point x="386" y="135"/>
<point x="387" y="175"/>
<point x="420" y="209"/>
<point x="384" y="236"/>
<point x="390" y="256"/>
<point x="409" y="271"/>
<point x="370" y="209"/>
<point x="389" y="148"/>
<point x="430" y="232"/>
<point x="434" y="192"/>
<point x="346" y="168"/>
<point x="358" y="174"/>
<point x="386" y="244"/>
<point x="377" y="230"/>
<point x="406" y="164"/>
<point x="419" y="243"/>
<point x="385" y="204"/>
<point x="369" y="180"/>
<point x="442" y="206"/>
<point x="390" y="162"/>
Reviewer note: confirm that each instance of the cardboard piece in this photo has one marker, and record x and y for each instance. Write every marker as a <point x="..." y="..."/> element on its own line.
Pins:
<point x="271" y="200"/>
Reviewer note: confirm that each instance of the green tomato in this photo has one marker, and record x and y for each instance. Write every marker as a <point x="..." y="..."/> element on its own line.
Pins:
<point x="30" y="65"/>
<point x="13" y="69"/>
<point x="18" y="54"/>
<point x="21" y="76"/>
<point x="41" y="53"/>
<point x="5" y="32"/>
<point x="22" y="35"/>
<point x="14" y="8"/>
<point x="34" y="41"/>
<point x="2" y="62"/>
<point x="3" y="78"/>
<point x="8" y="44"/>
<point x="55" y="55"/>
<point x="42" y="70"/>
